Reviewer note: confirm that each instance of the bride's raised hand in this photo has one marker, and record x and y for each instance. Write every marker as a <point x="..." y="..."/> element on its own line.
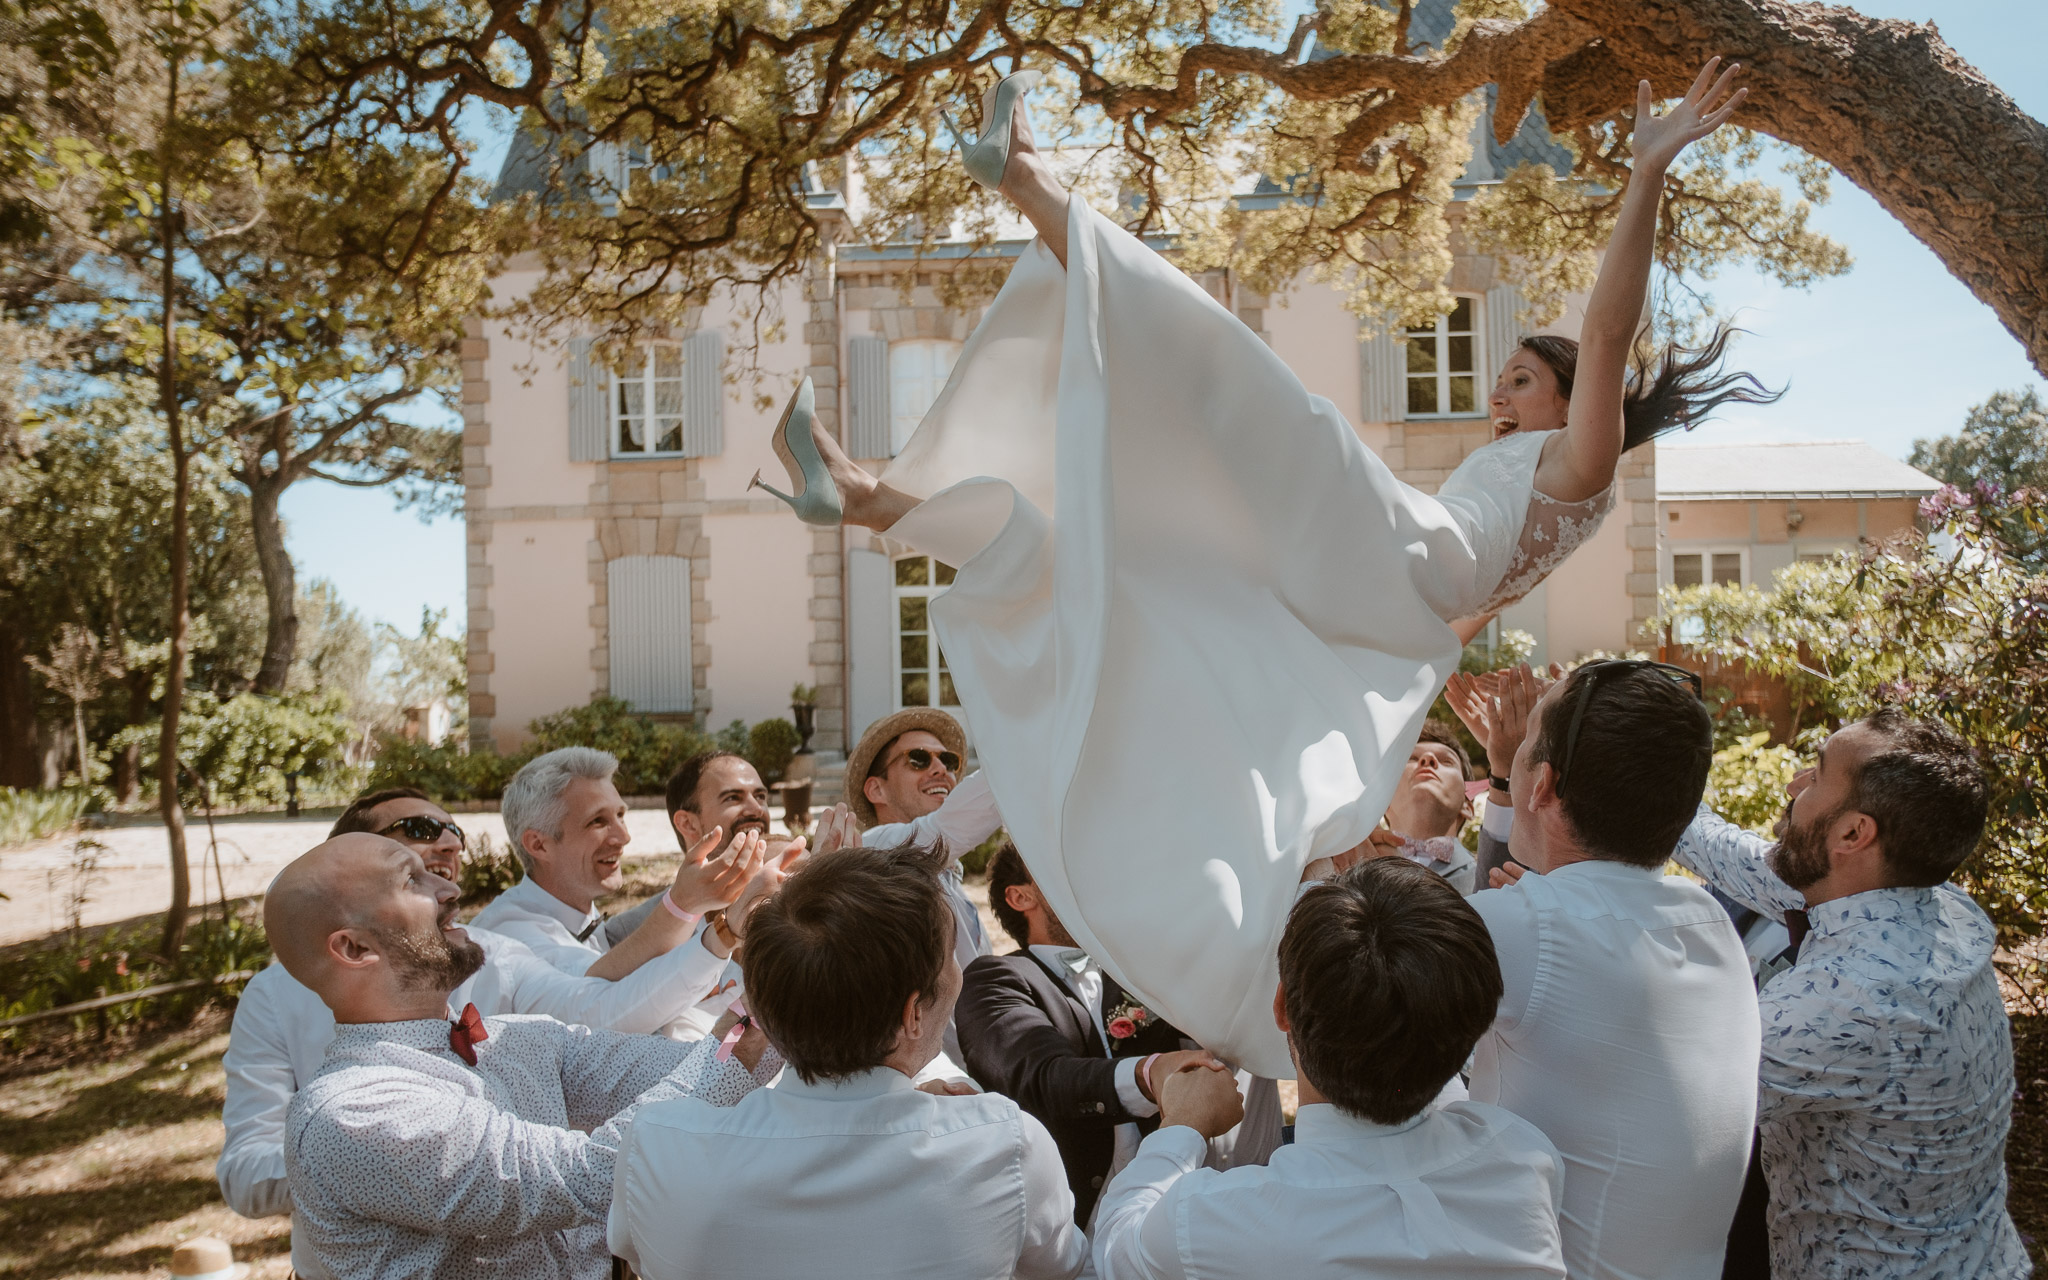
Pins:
<point x="1707" y="105"/>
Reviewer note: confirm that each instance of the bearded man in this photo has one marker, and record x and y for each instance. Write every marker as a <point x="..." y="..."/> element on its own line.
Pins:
<point x="1887" y="1057"/>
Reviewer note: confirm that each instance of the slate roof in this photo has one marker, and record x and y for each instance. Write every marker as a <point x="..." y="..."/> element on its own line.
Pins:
<point x="1791" y="469"/>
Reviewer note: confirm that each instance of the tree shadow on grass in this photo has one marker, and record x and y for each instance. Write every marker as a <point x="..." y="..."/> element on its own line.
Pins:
<point x="135" y="1098"/>
<point x="69" y="1232"/>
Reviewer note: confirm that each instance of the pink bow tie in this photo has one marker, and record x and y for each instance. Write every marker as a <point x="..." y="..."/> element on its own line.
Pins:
<point x="466" y="1033"/>
<point x="1434" y="849"/>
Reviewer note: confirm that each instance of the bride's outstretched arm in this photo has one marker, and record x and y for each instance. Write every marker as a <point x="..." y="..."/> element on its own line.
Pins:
<point x="1580" y="461"/>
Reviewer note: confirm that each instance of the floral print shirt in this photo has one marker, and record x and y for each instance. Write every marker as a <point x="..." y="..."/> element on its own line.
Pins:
<point x="1886" y="1077"/>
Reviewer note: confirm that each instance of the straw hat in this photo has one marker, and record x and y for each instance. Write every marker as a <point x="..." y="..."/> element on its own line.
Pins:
<point x="206" y="1258"/>
<point x="877" y="739"/>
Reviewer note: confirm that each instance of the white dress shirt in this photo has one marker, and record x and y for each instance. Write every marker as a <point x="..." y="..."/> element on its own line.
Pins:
<point x="1466" y="1190"/>
<point x="1628" y="1035"/>
<point x="1887" y="1076"/>
<point x="281" y="1031"/>
<point x="865" y="1178"/>
<point x="405" y="1160"/>
<point x="549" y="927"/>
<point x="967" y="817"/>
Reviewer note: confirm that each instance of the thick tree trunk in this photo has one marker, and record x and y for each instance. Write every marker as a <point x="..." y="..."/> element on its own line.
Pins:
<point x="128" y="764"/>
<point x="20" y="762"/>
<point x="280" y="580"/>
<point x="181" y="537"/>
<point x="1888" y="103"/>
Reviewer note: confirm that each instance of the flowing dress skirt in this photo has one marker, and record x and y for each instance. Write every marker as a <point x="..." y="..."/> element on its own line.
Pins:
<point x="1197" y="624"/>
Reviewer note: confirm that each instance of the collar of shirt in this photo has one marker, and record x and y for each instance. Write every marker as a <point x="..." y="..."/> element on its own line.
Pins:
<point x="1608" y="869"/>
<point x="1083" y="979"/>
<point x="427" y="1034"/>
<point x="1321" y="1122"/>
<point x="548" y="904"/>
<point x="872" y="1083"/>
<point x="1909" y="906"/>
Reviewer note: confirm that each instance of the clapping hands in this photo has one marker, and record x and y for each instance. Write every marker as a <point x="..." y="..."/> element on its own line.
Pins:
<point x="704" y="883"/>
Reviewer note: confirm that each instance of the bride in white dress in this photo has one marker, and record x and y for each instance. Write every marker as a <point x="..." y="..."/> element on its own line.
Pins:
<point x="1197" y="624"/>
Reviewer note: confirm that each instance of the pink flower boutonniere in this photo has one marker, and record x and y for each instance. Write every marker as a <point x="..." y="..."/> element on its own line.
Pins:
<point x="1127" y="1019"/>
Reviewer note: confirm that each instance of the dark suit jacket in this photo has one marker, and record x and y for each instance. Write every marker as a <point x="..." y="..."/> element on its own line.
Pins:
<point x="1027" y="1037"/>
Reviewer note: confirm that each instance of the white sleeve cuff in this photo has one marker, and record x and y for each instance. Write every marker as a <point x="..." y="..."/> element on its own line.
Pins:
<point x="1498" y="820"/>
<point x="1127" y="1090"/>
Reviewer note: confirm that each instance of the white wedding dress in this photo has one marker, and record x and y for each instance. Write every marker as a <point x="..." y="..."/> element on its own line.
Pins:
<point x="1197" y="624"/>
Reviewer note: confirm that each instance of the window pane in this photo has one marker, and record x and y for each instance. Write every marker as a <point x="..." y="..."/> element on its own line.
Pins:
<point x="1422" y="355"/>
<point x="1461" y="316"/>
<point x="1414" y="334"/>
<point x="916" y="652"/>
<point x="944" y="575"/>
<point x="629" y="436"/>
<point x="632" y="397"/>
<point x="671" y="438"/>
<point x="668" y="398"/>
<point x="1685" y="571"/>
<point x="917" y="690"/>
<point x="947" y="698"/>
<point x="1460" y="360"/>
<point x="1728" y="568"/>
<point x="1422" y="395"/>
<point x="911" y="571"/>
<point x="910" y="614"/>
<point x="668" y="361"/>
<point x="1461" y="394"/>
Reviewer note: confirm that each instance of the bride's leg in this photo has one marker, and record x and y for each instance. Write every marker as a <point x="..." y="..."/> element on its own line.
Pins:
<point x="1028" y="182"/>
<point x="863" y="500"/>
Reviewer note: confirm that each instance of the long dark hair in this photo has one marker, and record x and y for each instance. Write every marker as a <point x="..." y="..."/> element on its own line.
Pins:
<point x="1689" y="385"/>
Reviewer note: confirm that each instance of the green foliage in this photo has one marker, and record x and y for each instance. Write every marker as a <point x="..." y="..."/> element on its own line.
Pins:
<point x="732" y="738"/>
<point x="244" y="746"/>
<point x="771" y="744"/>
<point x="29" y="816"/>
<point x="447" y="772"/>
<point x="975" y="860"/>
<point x="648" y="751"/>
<point x="2004" y="442"/>
<point x="1951" y="626"/>
<point x="1748" y="780"/>
<point x="489" y="867"/>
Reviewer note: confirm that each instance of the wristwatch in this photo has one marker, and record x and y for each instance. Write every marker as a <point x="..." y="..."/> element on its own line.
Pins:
<point x="723" y="928"/>
<point x="1499" y="783"/>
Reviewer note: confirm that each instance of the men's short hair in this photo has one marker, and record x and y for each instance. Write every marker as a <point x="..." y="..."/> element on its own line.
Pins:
<point x="533" y="799"/>
<point x="1927" y="793"/>
<point x="1389" y="978"/>
<point x="1439" y="732"/>
<point x="1004" y="870"/>
<point x="1639" y="766"/>
<point x="681" y="792"/>
<point x="834" y="954"/>
<point x="357" y="816"/>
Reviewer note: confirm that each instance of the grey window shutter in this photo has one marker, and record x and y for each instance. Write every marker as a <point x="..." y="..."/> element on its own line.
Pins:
<point x="704" y="394"/>
<point x="589" y="404"/>
<point x="647" y="608"/>
<point x="868" y="380"/>
<point x="1504" y="330"/>
<point x="606" y="172"/>
<point x="1382" y="367"/>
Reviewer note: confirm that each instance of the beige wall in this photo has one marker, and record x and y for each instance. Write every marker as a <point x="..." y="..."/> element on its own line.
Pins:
<point x="1309" y="328"/>
<point x="760" y="626"/>
<point x="529" y="403"/>
<point x="1586" y="599"/>
<point x="541" y="637"/>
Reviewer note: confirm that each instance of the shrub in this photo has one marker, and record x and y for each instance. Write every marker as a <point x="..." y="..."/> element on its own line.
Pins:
<point x="648" y="752"/>
<point x="489" y="867"/>
<point x="771" y="745"/>
<point x="1747" y="782"/>
<point x="447" y="772"/>
<point x="29" y="816"/>
<point x="243" y="747"/>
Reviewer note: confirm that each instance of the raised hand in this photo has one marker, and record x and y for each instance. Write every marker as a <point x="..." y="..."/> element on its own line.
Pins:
<point x="1505" y="874"/>
<point x="704" y="883"/>
<point x="1706" y="106"/>
<point x="1204" y="1098"/>
<point x="837" y="829"/>
<point x="949" y="1088"/>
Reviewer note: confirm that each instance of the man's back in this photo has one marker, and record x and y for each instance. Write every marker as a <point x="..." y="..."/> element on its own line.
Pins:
<point x="1629" y="1036"/>
<point x="862" y="1177"/>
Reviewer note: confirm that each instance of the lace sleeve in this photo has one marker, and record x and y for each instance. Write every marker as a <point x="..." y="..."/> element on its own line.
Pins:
<point x="1551" y="531"/>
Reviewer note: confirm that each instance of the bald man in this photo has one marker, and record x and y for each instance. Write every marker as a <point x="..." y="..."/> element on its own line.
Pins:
<point x="457" y="1147"/>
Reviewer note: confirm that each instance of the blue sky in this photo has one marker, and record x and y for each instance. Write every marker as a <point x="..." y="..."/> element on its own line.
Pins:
<point x="1895" y="350"/>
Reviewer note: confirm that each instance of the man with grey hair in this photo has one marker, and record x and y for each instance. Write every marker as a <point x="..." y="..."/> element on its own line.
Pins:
<point x="567" y="825"/>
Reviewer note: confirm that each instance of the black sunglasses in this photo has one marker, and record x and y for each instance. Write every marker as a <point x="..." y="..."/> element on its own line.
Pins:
<point x="1589" y="675"/>
<point x="422" y="828"/>
<point x="920" y="759"/>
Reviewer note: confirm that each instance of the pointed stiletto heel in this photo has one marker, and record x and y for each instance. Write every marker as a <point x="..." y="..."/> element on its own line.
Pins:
<point x="816" y="500"/>
<point x="988" y="155"/>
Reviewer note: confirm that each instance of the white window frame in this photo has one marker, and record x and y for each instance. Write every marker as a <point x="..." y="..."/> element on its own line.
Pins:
<point x="1440" y="335"/>
<point x="1706" y="552"/>
<point x="936" y="670"/>
<point x="907" y="406"/>
<point x="616" y="417"/>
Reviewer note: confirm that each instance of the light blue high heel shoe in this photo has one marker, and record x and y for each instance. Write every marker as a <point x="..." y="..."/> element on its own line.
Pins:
<point x="986" y="157"/>
<point x="817" y="500"/>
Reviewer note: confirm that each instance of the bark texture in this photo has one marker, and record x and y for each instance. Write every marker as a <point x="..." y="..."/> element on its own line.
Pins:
<point x="280" y="579"/>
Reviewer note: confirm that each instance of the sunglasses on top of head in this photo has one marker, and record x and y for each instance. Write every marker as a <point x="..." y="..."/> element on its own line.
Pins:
<point x="1589" y="676"/>
<point x="422" y="828"/>
<point x="920" y="759"/>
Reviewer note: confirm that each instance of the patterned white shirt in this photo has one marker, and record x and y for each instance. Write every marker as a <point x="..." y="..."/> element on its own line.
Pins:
<point x="1887" y="1076"/>
<point x="406" y="1161"/>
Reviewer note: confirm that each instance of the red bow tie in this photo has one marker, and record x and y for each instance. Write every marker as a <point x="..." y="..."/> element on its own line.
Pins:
<point x="466" y="1033"/>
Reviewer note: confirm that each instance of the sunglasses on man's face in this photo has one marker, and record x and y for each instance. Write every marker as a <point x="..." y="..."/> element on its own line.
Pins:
<point x="1589" y="675"/>
<point x="422" y="828"/>
<point x="919" y="760"/>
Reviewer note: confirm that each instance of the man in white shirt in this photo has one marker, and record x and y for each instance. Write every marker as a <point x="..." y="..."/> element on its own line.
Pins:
<point x="567" y="825"/>
<point x="1628" y="1030"/>
<point x="845" y="1168"/>
<point x="281" y="1029"/>
<point x="1387" y="978"/>
<point x="459" y="1147"/>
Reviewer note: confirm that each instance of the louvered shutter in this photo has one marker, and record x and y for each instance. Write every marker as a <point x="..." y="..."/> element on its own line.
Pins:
<point x="704" y="394"/>
<point x="606" y="174"/>
<point x="647" y="607"/>
<point x="1382" y="365"/>
<point x="868" y="382"/>
<point x="1504" y="330"/>
<point x="589" y="417"/>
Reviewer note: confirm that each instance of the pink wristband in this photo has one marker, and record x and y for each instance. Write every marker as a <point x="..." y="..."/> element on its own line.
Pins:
<point x="1145" y="1078"/>
<point x="676" y="911"/>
